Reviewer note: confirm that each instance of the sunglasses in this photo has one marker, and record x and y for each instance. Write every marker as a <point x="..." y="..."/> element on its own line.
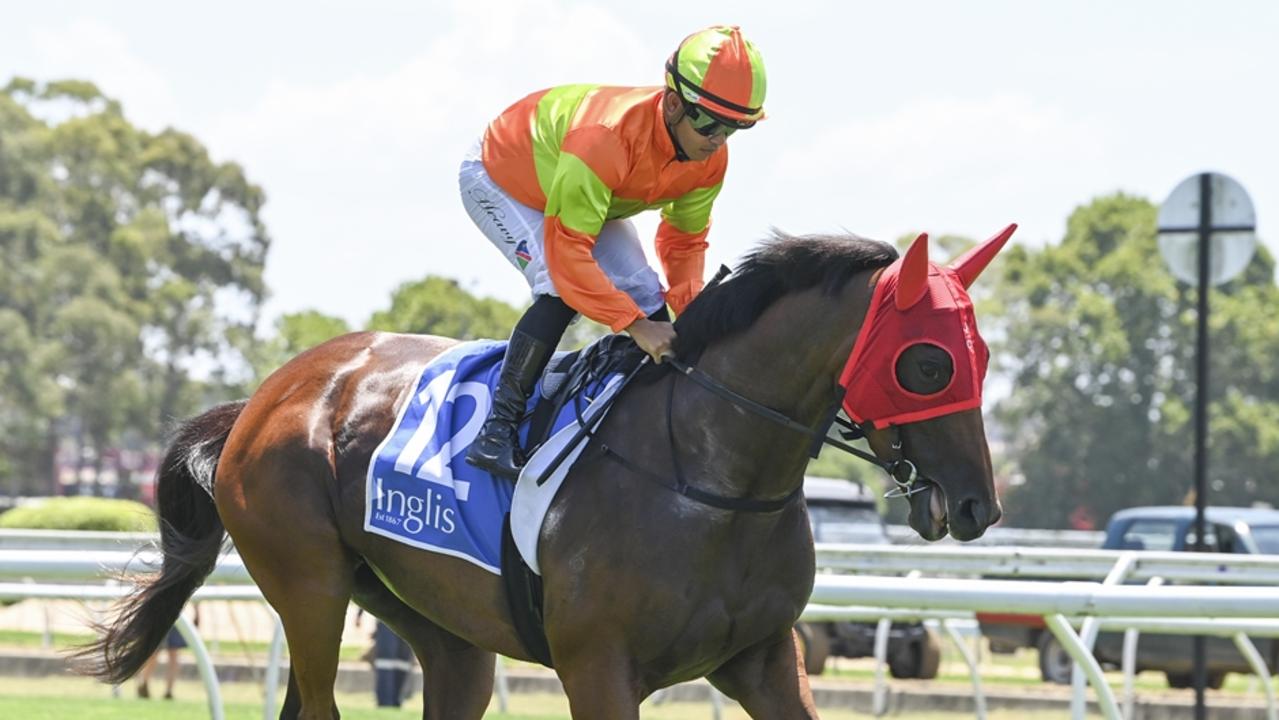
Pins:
<point x="708" y="125"/>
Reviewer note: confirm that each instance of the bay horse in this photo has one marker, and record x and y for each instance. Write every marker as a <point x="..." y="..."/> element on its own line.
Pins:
<point x="643" y="587"/>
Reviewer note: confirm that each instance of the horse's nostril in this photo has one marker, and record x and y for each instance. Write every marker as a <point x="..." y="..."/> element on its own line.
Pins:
<point x="979" y="512"/>
<point x="973" y="509"/>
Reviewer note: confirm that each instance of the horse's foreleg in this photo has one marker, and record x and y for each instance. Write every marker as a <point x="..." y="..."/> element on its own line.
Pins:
<point x="769" y="681"/>
<point x="600" y="685"/>
<point x="457" y="677"/>
<point x="292" y="706"/>
<point x="292" y="698"/>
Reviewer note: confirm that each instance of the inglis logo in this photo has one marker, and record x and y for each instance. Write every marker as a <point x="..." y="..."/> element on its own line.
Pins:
<point x="412" y="512"/>
<point x="417" y="506"/>
<point x="411" y="493"/>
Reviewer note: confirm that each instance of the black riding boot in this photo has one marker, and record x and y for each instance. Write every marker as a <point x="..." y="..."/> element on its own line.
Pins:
<point x="497" y="449"/>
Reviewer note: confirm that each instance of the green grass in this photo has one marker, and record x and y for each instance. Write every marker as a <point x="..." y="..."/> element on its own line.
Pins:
<point x="82" y="699"/>
<point x="28" y="640"/>
<point x="1017" y="671"/>
<point x="44" y="708"/>
<point x="223" y="649"/>
<point x="1021" y="670"/>
<point x="71" y="697"/>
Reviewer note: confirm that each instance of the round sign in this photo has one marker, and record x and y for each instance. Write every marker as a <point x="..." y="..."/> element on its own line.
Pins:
<point x="1231" y="223"/>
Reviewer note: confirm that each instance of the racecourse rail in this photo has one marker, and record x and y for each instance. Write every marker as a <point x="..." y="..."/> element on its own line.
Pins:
<point x="879" y="592"/>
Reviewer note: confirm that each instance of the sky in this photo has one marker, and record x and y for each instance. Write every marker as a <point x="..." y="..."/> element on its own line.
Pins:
<point x="884" y="118"/>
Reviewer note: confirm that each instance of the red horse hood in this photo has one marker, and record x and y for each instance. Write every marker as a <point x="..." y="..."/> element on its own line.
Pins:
<point x="917" y="301"/>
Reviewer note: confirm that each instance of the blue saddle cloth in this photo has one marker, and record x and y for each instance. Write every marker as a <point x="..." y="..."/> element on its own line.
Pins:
<point x="420" y="490"/>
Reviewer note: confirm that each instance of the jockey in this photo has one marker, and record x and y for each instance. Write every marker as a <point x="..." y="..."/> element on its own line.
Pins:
<point x="555" y="176"/>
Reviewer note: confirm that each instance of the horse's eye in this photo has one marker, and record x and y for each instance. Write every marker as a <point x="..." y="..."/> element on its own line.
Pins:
<point x="924" y="369"/>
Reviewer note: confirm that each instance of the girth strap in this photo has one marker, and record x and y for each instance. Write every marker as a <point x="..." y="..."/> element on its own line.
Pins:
<point x="524" y="598"/>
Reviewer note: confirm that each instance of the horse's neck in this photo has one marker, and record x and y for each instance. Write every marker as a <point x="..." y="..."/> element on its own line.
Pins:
<point x="788" y="361"/>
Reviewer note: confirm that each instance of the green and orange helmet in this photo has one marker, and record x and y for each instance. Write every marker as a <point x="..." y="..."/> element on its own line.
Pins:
<point x="721" y="72"/>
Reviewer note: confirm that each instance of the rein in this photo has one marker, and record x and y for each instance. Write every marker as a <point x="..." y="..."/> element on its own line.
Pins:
<point x="681" y="486"/>
<point x="901" y="470"/>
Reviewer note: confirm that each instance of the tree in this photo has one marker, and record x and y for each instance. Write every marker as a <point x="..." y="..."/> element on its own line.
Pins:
<point x="1098" y="341"/>
<point x="439" y="306"/>
<point x="128" y="259"/>
<point x="294" y="334"/>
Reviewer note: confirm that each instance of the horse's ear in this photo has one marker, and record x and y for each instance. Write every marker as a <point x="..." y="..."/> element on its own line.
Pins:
<point x="912" y="279"/>
<point x="969" y="265"/>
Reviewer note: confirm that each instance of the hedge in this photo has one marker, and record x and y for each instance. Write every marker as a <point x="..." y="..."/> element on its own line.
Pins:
<point x="81" y="513"/>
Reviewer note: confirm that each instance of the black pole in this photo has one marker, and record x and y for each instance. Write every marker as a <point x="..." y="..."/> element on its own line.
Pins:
<point x="1201" y="412"/>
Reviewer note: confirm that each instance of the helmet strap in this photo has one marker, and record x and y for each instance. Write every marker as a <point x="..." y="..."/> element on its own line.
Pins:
<point x="670" y="132"/>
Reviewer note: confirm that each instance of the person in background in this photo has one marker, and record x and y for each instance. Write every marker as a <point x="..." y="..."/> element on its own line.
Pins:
<point x="392" y="663"/>
<point x="173" y="642"/>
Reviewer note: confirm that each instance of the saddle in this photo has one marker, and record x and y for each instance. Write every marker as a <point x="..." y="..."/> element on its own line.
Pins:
<point x="568" y="373"/>
<point x="566" y="376"/>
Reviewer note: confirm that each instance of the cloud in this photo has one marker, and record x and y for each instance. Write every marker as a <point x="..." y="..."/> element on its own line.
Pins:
<point x="969" y="158"/>
<point x="90" y="46"/>
<point x="360" y="171"/>
<point x="383" y="117"/>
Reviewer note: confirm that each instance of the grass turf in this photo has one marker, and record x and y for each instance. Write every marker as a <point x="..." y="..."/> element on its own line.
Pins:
<point x="82" y="699"/>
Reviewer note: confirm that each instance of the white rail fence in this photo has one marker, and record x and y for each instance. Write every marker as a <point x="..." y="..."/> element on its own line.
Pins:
<point x="213" y="693"/>
<point x="1056" y="564"/>
<point x="1007" y="537"/>
<point x="1235" y="612"/>
<point x="1112" y="566"/>
<point x="901" y="534"/>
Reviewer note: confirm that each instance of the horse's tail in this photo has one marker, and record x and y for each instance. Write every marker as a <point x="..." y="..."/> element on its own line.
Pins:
<point x="191" y="536"/>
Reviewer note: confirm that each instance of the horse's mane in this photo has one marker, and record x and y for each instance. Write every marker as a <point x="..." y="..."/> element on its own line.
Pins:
<point x="781" y="265"/>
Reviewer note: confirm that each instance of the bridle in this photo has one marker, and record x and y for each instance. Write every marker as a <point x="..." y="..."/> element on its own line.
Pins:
<point x="905" y="476"/>
<point x="903" y="472"/>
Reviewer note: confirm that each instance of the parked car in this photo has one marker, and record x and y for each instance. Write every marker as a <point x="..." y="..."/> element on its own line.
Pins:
<point x="1228" y="530"/>
<point x="844" y="512"/>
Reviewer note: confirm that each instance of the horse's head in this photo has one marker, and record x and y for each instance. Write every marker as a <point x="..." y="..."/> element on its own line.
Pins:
<point x="914" y="384"/>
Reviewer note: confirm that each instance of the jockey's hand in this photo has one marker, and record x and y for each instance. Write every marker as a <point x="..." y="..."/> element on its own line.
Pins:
<point x="654" y="337"/>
